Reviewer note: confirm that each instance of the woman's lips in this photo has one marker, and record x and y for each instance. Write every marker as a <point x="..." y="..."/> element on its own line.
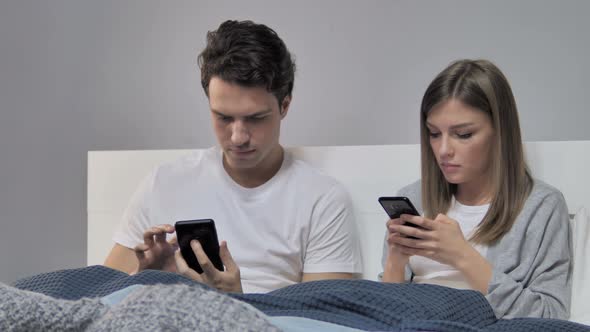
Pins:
<point x="449" y="168"/>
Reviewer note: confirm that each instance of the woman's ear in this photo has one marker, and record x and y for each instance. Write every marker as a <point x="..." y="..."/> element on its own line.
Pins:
<point x="284" y="107"/>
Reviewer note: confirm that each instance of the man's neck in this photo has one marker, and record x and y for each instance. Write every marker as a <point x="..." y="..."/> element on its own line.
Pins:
<point x="252" y="178"/>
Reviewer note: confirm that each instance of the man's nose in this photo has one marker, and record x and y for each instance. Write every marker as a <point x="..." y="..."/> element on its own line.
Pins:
<point x="240" y="134"/>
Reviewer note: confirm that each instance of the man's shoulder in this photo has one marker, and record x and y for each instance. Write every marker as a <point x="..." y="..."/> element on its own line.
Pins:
<point x="306" y="174"/>
<point x="187" y="165"/>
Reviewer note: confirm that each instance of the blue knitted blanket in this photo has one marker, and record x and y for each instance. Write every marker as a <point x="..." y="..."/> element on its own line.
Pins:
<point x="360" y="304"/>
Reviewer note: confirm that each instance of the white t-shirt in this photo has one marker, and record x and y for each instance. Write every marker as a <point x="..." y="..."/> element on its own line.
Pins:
<point x="300" y="221"/>
<point x="431" y="272"/>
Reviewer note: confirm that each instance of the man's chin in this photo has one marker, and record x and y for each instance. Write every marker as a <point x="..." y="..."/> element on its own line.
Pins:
<point x="241" y="163"/>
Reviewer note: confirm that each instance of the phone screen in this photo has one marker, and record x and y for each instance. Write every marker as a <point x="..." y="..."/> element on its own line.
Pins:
<point x="398" y="205"/>
<point x="204" y="231"/>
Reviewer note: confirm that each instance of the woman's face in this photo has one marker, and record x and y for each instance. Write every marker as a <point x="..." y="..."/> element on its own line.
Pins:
<point x="461" y="138"/>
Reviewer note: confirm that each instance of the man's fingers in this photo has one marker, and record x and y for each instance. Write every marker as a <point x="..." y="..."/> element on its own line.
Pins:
<point x="209" y="270"/>
<point x="173" y="242"/>
<point x="226" y="257"/>
<point x="183" y="268"/>
<point x="160" y="237"/>
<point x="165" y="228"/>
<point x="141" y="247"/>
<point x="159" y="232"/>
<point x="140" y="252"/>
<point x="148" y="237"/>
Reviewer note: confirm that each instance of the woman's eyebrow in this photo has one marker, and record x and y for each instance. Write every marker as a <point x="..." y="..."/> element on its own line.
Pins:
<point x="457" y="126"/>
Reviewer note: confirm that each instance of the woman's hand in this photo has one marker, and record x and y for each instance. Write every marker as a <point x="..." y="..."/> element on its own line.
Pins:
<point x="396" y="261"/>
<point x="442" y="240"/>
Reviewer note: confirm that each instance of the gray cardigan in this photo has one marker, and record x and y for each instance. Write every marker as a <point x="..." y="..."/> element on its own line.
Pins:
<point x="532" y="263"/>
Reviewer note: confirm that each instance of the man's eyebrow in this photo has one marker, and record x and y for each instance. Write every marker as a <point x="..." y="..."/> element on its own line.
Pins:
<point x="265" y="112"/>
<point x="260" y="113"/>
<point x="218" y="113"/>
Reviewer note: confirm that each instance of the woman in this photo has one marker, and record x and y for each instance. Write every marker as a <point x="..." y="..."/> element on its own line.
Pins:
<point x="486" y="224"/>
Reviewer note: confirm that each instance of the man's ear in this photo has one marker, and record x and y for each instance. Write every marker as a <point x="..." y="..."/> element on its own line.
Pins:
<point x="284" y="107"/>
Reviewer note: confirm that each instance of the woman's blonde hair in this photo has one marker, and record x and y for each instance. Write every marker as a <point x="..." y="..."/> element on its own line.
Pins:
<point x="481" y="85"/>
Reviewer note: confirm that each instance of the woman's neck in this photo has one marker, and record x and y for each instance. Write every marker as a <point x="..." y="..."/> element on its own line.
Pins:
<point x="474" y="193"/>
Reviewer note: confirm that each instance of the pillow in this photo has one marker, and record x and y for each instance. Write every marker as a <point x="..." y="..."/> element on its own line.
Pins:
<point x="579" y="311"/>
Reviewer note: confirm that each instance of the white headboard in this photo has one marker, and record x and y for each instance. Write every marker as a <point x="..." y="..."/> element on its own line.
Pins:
<point x="367" y="171"/>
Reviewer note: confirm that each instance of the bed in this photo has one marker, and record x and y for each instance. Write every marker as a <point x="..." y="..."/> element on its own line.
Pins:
<point x="367" y="172"/>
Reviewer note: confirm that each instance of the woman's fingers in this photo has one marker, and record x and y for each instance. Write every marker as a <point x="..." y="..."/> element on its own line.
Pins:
<point x="403" y="241"/>
<point x="420" y="221"/>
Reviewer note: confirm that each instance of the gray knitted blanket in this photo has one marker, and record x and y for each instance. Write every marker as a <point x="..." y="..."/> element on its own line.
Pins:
<point x="152" y="308"/>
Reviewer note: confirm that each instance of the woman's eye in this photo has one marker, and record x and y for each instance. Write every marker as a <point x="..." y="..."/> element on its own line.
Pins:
<point x="434" y="135"/>
<point x="465" y="136"/>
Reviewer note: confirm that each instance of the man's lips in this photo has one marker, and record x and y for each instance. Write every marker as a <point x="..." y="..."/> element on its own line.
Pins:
<point x="243" y="152"/>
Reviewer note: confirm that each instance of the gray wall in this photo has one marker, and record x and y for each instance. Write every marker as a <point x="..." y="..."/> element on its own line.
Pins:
<point x="99" y="75"/>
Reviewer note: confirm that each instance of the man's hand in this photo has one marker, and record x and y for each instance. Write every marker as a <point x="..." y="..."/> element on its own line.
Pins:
<point x="227" y="281"/>
<point x="155" y="252"/>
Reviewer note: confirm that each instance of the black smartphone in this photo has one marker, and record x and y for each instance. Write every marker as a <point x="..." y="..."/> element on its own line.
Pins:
<point x="398" y="205"/>
<point x="204" y="231"/>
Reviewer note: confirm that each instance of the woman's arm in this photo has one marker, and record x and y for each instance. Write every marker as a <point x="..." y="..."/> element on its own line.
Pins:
<point x="476" y="269"/>
<point x="532" y="263"/>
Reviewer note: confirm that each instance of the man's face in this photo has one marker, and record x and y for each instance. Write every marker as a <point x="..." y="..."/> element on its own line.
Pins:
<point x="247" y="122"/>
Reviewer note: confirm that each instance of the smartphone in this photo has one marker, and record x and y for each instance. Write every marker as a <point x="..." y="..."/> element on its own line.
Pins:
<point x="204" y="231"/>
<point x="398" y="205"/>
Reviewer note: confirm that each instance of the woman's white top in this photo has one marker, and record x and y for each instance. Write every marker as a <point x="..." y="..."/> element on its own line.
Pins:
<point x="431" y="272"/>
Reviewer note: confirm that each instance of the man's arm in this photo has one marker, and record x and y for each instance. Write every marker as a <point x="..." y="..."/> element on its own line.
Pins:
<point x="154" y="253"/>
<point x="328" y="275"/>
<point x="122" y="258"/>
<point x="333" y="250"/>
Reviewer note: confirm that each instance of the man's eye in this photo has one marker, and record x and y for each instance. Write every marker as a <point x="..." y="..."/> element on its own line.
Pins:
<point x="257" y="118"/>
<point x="225" y="118"/>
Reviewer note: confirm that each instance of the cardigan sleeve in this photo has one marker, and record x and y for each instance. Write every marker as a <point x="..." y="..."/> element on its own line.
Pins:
<point x="412" y="191"/>
<point x="531" y="274"/>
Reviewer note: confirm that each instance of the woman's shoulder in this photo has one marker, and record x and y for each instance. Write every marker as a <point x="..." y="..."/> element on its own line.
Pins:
<point x="413" y="191"/>
<point x="544" y="205"/>
<point x="544" y="193"/>
<point x="544" y="215"/>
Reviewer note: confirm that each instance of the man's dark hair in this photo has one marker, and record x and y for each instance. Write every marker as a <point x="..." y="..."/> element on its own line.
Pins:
<point x="248" y="54"/>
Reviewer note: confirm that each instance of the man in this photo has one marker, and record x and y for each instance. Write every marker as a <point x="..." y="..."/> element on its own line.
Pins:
<point x="285" y="221"/>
